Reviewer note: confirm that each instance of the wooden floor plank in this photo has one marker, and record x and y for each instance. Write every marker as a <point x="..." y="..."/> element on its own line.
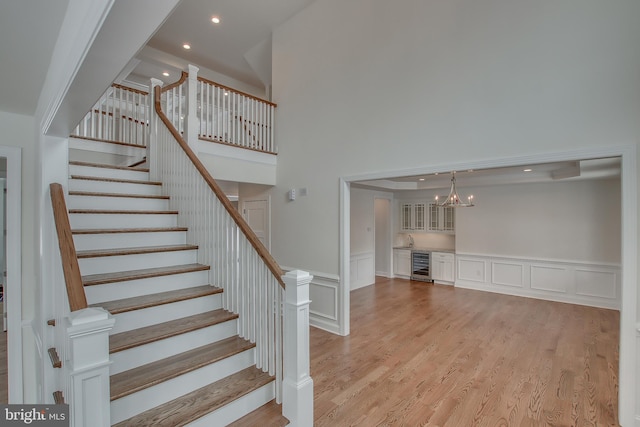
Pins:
<point x="423" y="354"/>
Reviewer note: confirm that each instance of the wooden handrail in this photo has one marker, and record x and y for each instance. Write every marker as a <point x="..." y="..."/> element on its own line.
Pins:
<point x="251" y="236"/>
<point x="130" y="89"/>
<point x="202" y="79"/>
<point x="182" y="79"/>
<point x="70" y="267"/>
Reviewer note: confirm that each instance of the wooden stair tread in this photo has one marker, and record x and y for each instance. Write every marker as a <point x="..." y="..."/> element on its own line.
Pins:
<point x="126" y="181"/>
<point x="128" y="230"/>
<point x="160" y="298"/>
<point x="148" y="375"/>
<point x="149" y="334"/>
<point x="120" y="276"/>
<point x="132" y="196"/>
<point x="105" y="166"/>
<point x="134" y="251"/>
<point x="269" y="414"/>
<point x="120" y="212"/>
<point x="188" y="408"/>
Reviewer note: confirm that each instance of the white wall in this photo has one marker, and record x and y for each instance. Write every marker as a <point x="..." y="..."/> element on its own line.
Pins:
<point x="571" y="221"/>
<point x="370" y="85"/>
<point x="400" y="85"/>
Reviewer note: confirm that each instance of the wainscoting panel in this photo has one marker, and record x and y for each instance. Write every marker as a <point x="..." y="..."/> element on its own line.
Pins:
<point x="323" y="293"/>
<point x="508" y="274"/>
<point x="471" y="270"/>
<point x="549" y="278"/>
<point x="592" y="284"/>
<point x="363" y="271"/>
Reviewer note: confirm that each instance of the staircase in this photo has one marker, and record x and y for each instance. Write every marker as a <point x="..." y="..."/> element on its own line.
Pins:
<point x="176" y="355"/>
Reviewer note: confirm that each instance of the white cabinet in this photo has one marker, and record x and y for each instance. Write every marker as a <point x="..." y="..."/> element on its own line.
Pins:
<point x="402" y="263"/>
<point x="412" y="216"/>
<point x="441" y="218"/>
<point x="443" y="267"/>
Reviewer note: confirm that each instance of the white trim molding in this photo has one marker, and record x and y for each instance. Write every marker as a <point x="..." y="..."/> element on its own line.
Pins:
<point x="324" y="291"/>
<point x="592" y="284"/>
<point x="362" y="269"/>
<point x="14" y="271"/>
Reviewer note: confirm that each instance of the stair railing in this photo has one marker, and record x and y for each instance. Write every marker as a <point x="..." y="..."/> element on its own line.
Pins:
<point x="241" y="265"/>
<point x="79" y="342"/>
<point x="121" y="114"/>
<point x="233" y="117"/>
<point x="218" y="113"/>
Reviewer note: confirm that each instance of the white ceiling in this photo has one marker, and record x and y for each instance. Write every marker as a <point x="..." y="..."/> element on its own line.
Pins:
<point x="584" y="169"/>
<point x="222" y="47"/>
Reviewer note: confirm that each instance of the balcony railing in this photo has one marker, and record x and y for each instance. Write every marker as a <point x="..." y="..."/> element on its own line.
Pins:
<point x="121" y="114"/>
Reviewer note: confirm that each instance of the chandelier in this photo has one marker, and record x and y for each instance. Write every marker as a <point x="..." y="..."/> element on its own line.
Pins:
<point x="454" y="200"/>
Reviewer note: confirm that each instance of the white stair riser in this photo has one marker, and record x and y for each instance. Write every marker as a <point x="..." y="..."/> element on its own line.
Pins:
<point x="86" y="242"/>
<point x="135" y="288"/>
<point x="125" y="221"/>
<point x="88" y="145"/>
<point x="143" y="400"/>
<point x="108" y="173"/>
<point x="238" y="408"/>
<point x="163" y="313"/>
<point x="114" y="187"/>
<point x="141" y="355"/>
<point x="112" y="264"/>
<point x="124" y="203"/>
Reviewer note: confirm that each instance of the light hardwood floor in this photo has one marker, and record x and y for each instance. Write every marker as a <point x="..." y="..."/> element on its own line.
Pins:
<point x="422" y="354"/>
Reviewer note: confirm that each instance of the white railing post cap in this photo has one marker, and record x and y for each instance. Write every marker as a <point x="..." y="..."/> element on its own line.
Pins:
<point x="299" y="276"/>
<point x="88" y="315"/>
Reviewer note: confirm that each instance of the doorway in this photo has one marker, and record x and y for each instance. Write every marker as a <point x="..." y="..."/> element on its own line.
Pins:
<point x="628" y="354"/>
<point x="256" y="213"/>
<point x="11" y="157"/>
<point x="382" y="236"/>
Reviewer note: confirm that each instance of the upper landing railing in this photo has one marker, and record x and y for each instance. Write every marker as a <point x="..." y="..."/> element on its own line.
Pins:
<point x="121" y="114"/>
<point x="220" y="114"/>
<point x="214" y="112"/>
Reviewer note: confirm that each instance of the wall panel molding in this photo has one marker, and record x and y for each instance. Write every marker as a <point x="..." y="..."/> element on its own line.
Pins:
<point x="597" y="285"/>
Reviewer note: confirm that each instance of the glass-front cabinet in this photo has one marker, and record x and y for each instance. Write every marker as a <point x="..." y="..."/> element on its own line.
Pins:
<point x="441" y="218"/>
<point x="412" y="216"/>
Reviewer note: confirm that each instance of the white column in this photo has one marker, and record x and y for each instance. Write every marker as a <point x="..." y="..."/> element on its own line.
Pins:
<point x="88" y="367"/>
<point x="297" y="385"/>
<point x="191" y="122"/>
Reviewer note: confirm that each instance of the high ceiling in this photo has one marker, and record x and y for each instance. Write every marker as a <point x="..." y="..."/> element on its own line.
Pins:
<point x="244" y="25"/>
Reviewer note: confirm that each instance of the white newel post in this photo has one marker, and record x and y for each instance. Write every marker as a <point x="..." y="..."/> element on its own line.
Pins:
<point x="191" y="124"/>
<point x="88" y="367"/>
<point x="152" y="145"/>
<point x="297" y="385"/>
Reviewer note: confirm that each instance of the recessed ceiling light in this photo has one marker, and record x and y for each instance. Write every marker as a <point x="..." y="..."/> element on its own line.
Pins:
<point x="186" y="46"/>
<point x="215" y="20"/>
<point x="165" y="74"/>
<point x="528" y="170"/>
<point x="421" y="179"/>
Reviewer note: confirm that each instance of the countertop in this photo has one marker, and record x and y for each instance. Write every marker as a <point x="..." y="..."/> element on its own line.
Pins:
<point x="419" y="248"/>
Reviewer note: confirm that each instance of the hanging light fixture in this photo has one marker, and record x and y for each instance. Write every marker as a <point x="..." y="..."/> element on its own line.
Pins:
<point x="454" y="199"/>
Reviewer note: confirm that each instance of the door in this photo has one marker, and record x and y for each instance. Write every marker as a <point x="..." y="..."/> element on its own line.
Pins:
<point x="256" y="213"/>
